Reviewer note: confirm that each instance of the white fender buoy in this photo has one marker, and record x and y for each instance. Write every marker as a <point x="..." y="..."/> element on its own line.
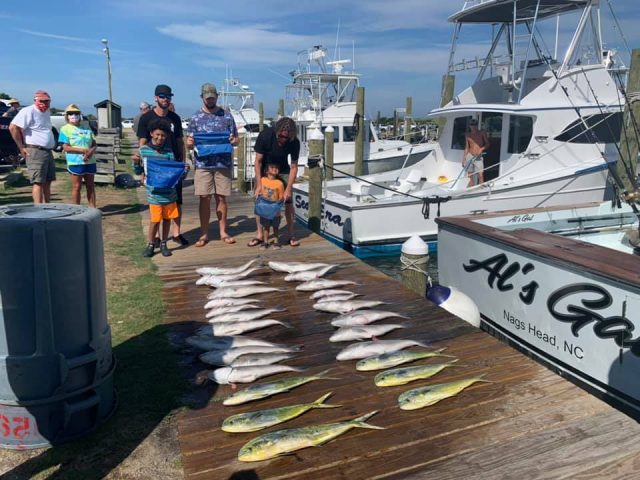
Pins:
<point x="455" y="302"/>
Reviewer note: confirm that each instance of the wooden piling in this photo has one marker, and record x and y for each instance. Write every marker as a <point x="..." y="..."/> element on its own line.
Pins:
<point x="358" y="168"/>
<point x="408" y="118"/>
<point x="316" y="150"/>
<point x="328" y="149"/>
<point x="280" y="109"/>
<point x="261" y="116"/>
<point x="629" y="139"/>
<point x="414" y="258"/>
<point x="241" y="181"/>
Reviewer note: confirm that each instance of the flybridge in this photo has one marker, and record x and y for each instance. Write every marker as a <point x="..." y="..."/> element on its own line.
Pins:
<point x="498" y="11"/>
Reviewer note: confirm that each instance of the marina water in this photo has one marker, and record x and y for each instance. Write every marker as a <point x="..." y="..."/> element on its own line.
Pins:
<point x="391" y="266"/>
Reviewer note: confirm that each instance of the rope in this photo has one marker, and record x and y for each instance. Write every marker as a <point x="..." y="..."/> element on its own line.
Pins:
<point x="415" y="264"/>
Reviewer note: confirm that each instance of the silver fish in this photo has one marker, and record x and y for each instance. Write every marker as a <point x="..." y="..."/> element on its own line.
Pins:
<point x="345" y="306"/>
<point x="264" y="390"/>
<point x="362" y="317"/>
<point x="232" y="309"/>
<point x="292" y="267"/>
<point x="321" y="284"/>
<point x="226" y="375"/>
<point x="253" y="359"/>
<point x="261" y="419"/>
<point x="243" y="316"/>
<point x="225" y="357"/>
<point x="362" y="332"/>
<point x="226" y="271"/>
<point x="308" y="274"/>
<point x="240" y="292"/>
<point x="216" y="280"/>
<point x="331" y="292"/>
<point x="356" y="351"/>
<point x="238" y="328"/>
<point x="205" y="341"/>
<point x="234" y="283"/>
<point x="337" y="298"/>
<point x="226" y="302"/>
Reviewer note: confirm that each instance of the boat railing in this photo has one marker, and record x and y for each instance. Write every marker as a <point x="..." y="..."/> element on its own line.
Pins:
<point x="479" y="62"/>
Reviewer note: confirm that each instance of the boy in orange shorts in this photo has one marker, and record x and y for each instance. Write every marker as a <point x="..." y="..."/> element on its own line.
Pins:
<point x="269" y="204"/>
<point x="160" y="194"/>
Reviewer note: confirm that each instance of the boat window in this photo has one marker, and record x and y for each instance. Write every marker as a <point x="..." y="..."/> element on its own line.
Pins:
<point x="520" y="132"/>
<point x="335" y="133"/>
<point x="348" y="134"/>
<point x="459" y="136"/>
<point x="603" y="128"/>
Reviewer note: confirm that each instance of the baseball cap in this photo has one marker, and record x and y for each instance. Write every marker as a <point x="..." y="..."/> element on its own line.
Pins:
<point x="209" y="90"/>
<point x="163" y="90"/>
<point x="72" y="108"/>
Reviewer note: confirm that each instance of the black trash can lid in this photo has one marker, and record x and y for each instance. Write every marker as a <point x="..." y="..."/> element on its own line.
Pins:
<point x="40" y="211"/>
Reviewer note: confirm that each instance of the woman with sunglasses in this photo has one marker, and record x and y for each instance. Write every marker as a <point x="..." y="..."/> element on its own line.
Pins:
<point x="79" y="145"/>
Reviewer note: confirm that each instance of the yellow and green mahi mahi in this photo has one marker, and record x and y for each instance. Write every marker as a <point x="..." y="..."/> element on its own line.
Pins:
<point x="404" y="375"/>
<point x="425" y="396"/>
<point x="392" y="359"/>
<point x="253" y="421"/>
<point x="263" y="390"/>
<point x="278" y="443"/>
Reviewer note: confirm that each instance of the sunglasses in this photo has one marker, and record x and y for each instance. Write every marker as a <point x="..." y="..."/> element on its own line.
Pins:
<point x="39" y="100"/>
<point x="164" y="96"/>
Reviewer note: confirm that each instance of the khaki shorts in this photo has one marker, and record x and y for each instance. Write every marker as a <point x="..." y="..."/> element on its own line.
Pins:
<point x="40" y="166"/>
<point x="212" y="182"/>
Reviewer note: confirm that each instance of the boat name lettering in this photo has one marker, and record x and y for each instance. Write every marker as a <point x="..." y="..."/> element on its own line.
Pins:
<point x="521" y="218"/>
<point x="618" y="328"/>
<point x="499" y="269"/>
<point x="301" y="203"/>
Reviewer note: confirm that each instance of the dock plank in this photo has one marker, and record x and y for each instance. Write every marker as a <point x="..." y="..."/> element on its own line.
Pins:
<point x="527" y="423"/>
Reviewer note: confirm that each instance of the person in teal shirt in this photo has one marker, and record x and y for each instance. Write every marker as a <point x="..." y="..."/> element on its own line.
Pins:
<point x="79" y="145"/>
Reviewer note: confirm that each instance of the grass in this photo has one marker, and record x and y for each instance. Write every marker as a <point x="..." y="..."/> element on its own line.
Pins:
<point x="147" y="379"/>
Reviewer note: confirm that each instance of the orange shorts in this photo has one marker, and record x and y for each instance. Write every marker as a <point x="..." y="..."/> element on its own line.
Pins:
<point x="163" y="212"/>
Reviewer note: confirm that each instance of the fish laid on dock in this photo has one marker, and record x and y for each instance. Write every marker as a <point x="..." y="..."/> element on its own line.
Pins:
<point x="331" y="292"/>
<point x="227" y="301"/>
<point x="225" y="357"/>
<point x="205" y="341"/>
<point x="359" y="350"/>
<point x="278" y="443"/>
<point x="261" y="419"/>
<point x="362" y="332"/>
<point x="264" y="390"/>
<point x="425" y="396"/>
<point x="292" y="267"/>
<point x="231" y="309"/>
<point x="322" y="284"/>
<point x="226" y="271"/>
<point x="243" y="316"/>
<point x="239" y="292"/>
<point x="344" y="306"/>
<point x="363" y="317"/>
<point x="308" y="275"/>
<point x="226" y="375"/>
<point x="253" y="359"/>
<point x="404" y="375"/>
<point x="210" y="282"/>
<point x="238" y="328"/>
<point x="392" y="359"/>
<point x="215" y="280"/>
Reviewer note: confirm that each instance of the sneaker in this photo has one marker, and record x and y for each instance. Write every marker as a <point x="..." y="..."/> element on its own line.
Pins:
<point x="180" y="240"/>
<point x="148" y="250"/>
<point x="165" y="250"/>
<point x="156" y="242"/>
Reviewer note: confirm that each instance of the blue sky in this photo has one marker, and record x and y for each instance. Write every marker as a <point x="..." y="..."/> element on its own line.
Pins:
<point x="401" y="47"/>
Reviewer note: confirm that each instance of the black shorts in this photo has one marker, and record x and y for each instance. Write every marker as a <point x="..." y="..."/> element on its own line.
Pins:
<point x="179" y="192"/>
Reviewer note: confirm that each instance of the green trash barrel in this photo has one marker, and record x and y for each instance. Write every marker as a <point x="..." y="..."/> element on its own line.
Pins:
<point x="56" y="363"/>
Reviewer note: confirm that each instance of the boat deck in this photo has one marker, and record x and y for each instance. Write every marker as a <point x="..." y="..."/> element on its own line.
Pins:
<point x="527" y="423"/>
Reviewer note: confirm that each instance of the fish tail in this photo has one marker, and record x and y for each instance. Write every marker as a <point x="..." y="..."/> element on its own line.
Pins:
<point x="285" y="324"/>
<point x="297" y="348"/>
<point x="480" y="378"/>
<point x="423" y="344"/>
<point x="279" y="308"/>
<point x="322" y="375"/>
<point x="360" y="422"/>
<point x="319" y="402"/>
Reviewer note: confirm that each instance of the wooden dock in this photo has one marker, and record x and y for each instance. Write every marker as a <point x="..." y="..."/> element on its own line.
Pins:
<point x="528" y="423"/>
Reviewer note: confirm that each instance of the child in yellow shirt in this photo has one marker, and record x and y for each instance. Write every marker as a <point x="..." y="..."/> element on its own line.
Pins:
<point x="269" y="204"/>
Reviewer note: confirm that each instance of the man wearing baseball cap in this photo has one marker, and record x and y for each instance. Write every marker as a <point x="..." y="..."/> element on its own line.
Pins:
<point x="13" y="109"/>
<point x="212" y="135"/>
<point x="175" y="141"/>
<point x="31" y="130"/>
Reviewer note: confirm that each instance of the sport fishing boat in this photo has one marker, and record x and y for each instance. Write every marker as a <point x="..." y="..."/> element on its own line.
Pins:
<point x="562" y="284"/>
<point x="323" y="94"/>
<point x="552" y="124"/>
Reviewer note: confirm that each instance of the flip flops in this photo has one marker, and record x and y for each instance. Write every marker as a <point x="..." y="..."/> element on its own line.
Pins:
<point x="228" y="240"/>
<point x="202" y="242"/>
<point x="254" y="242"/>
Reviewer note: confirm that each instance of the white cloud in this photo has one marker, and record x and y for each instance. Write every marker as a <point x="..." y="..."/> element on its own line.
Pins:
<point x="52" y="35"/>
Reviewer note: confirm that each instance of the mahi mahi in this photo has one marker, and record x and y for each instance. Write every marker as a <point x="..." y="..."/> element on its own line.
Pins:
<point x="425" y="396"/>
<point x="281" y="442"/>
<point x="359" y="350"/>
<point x="261" y="419"/>
<point x="404" y="375"/>
<point x="264" y="390"/>
<point x="392" y="359"/>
